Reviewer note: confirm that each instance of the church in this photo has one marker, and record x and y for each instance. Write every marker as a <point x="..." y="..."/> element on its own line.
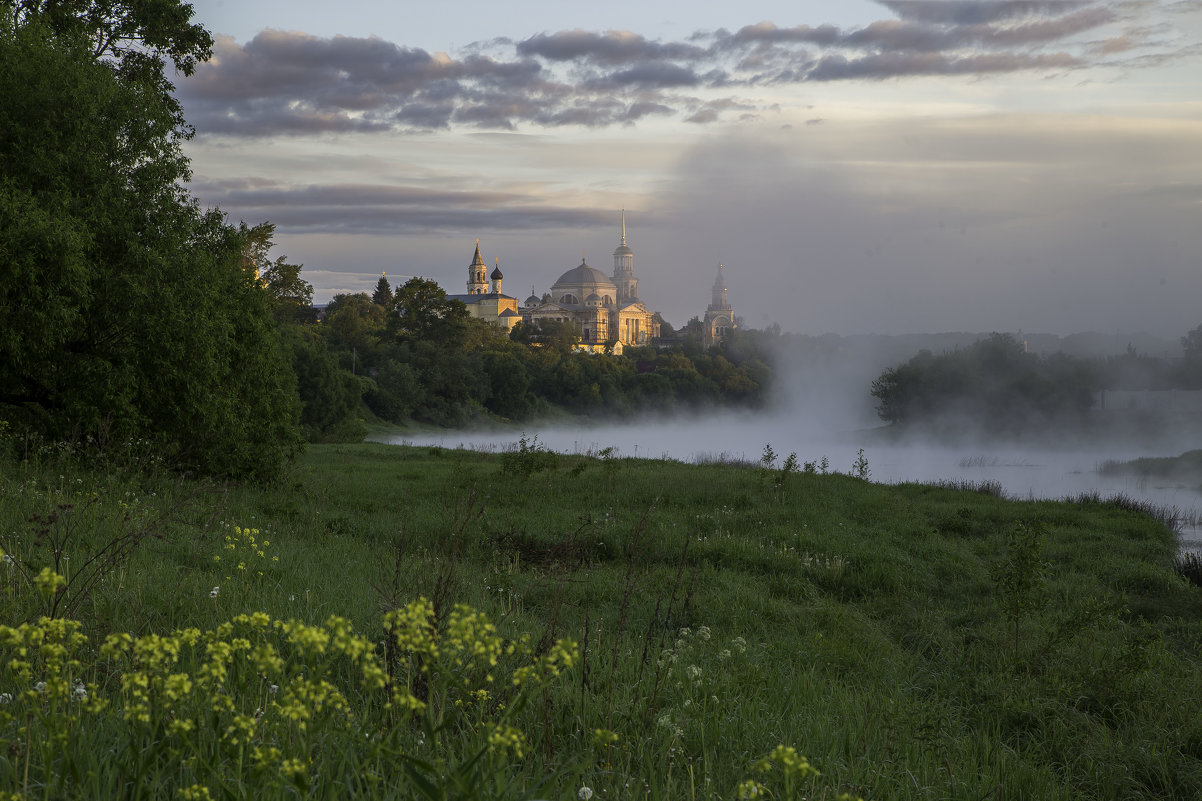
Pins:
<point x="606" y="310"/>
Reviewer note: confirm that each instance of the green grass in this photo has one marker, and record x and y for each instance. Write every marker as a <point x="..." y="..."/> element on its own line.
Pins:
<point x="716" y="615"/>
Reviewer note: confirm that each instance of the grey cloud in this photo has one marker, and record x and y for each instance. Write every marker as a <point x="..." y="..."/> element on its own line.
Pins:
<point x="611" y="47"/>
<point x="977" y="12"/>
<point x="646" y="75"/>
<point x="290" y="83"/>
<point x="362" y="208"/>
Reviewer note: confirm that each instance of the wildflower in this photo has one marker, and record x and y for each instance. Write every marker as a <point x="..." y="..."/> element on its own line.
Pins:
<point x="79" y="691"/>
<point x="48" y="582"/>
<point x="6" y="698"/>
<point x="693" y="672"/>
<point x="8" y="560"/>
<point x="584" y="793"/>
<point x="40" y="687"/>
<point x="505" y="737"/>
<point x="213" y="593"/>
<point x="750" y="789"/>
<point x="604" y="737"/>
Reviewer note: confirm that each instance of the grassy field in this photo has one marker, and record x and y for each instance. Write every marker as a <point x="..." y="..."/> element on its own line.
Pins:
<point x="423" y="623"/>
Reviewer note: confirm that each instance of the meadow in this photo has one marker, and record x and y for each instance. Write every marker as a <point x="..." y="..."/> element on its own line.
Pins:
<point x="398" y="622"/>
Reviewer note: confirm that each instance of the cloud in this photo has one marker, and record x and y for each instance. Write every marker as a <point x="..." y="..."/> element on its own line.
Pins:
<point x="376" y="209"/>
<point x="292" y="83"/>
<point x="610" y="47"/>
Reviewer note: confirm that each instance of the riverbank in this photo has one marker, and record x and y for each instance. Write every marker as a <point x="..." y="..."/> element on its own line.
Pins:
<point x="912" y="641"/>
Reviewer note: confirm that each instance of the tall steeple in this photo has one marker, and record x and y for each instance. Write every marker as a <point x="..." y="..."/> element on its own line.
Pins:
<point x="628" y="285"/>
<point x="720" y="301"/>
<point x="719" y="317"/>
<point x="477" y="274"/>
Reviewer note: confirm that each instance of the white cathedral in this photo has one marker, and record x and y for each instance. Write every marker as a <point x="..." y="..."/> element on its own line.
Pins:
<point x="606" y="310"/>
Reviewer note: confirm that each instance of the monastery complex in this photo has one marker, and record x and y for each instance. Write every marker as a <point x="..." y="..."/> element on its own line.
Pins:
<point x="606" y="310"/>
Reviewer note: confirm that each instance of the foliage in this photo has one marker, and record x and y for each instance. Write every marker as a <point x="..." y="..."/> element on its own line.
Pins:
<point x="528" y="457"/>
<point x="126" y="311"/>
<point x="422" y="312"/>
<point x="1021" y="574"/>
<point x="329" y="395"/>
<point x="383" y="294"/>
<point x="137" y="39"/>
<point x="993" y="384"/>
<point x="1192" y="362"/>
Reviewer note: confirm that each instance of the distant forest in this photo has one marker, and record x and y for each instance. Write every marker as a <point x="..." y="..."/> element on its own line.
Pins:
<point x="996" y="385"/>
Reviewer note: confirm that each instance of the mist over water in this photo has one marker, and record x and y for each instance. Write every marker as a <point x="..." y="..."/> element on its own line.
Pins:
<point x="825" y="410"/>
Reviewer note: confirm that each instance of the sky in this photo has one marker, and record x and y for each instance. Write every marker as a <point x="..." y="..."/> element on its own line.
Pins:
<point x="889" y="167"/>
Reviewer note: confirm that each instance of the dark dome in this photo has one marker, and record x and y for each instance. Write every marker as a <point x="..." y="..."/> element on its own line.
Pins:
<point x="496" y="273"/>
<point x="583" y="275"/>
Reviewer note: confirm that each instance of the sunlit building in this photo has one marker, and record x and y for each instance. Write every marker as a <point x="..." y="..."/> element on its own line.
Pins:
<point x="486" y="301"/>
<point x="606" y="310"/>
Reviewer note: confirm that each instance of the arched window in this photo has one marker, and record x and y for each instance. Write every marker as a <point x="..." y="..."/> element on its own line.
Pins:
<point x="569" y="298"/>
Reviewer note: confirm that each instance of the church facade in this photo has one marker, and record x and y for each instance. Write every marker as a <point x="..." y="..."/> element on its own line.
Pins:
<point x="606" y="310"/>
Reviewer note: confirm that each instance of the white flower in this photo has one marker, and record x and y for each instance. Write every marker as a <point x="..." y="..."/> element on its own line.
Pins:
<point x="8" y="560"/>
<point x="6" y="698"/>
<point x="40" y="687"/>
<point x="213" y="593"/>
<point x="584" y="793"/>
<point x="273" y="689"/>
<point x="79" y="691"/>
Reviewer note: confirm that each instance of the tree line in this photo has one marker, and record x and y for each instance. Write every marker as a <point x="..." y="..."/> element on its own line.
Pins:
<point x="996" y="385"/>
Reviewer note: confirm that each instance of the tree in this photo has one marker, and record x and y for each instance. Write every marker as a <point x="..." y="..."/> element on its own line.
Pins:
<point x="383" y="294"/>
<point x="422" y="312"/>
<point x="126" y="311"/>
<point x="1191" y="377"/>
<point x="291" y="295"/>
<point x="136" y="38"/>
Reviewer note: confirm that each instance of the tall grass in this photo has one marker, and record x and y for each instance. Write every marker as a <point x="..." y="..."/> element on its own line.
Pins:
<point x="680" y="631"/>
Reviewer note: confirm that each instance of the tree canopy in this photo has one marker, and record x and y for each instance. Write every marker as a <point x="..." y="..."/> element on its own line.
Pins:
<point x="126" y="311"/>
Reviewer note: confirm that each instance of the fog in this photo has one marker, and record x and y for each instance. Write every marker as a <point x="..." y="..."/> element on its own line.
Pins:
<point x="823" y="410"/>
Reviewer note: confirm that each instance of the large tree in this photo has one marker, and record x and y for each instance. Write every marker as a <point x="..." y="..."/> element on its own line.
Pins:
<point x="124" y="309"/>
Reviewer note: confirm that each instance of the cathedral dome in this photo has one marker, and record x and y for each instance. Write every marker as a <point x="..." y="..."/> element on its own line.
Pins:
<point x="581" y="282"/>
<point x="581" y="276"/>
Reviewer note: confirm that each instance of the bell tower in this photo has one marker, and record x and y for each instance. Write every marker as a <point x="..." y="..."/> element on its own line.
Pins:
<point x="477" y="274"/>
<point x="628" y="285"/>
